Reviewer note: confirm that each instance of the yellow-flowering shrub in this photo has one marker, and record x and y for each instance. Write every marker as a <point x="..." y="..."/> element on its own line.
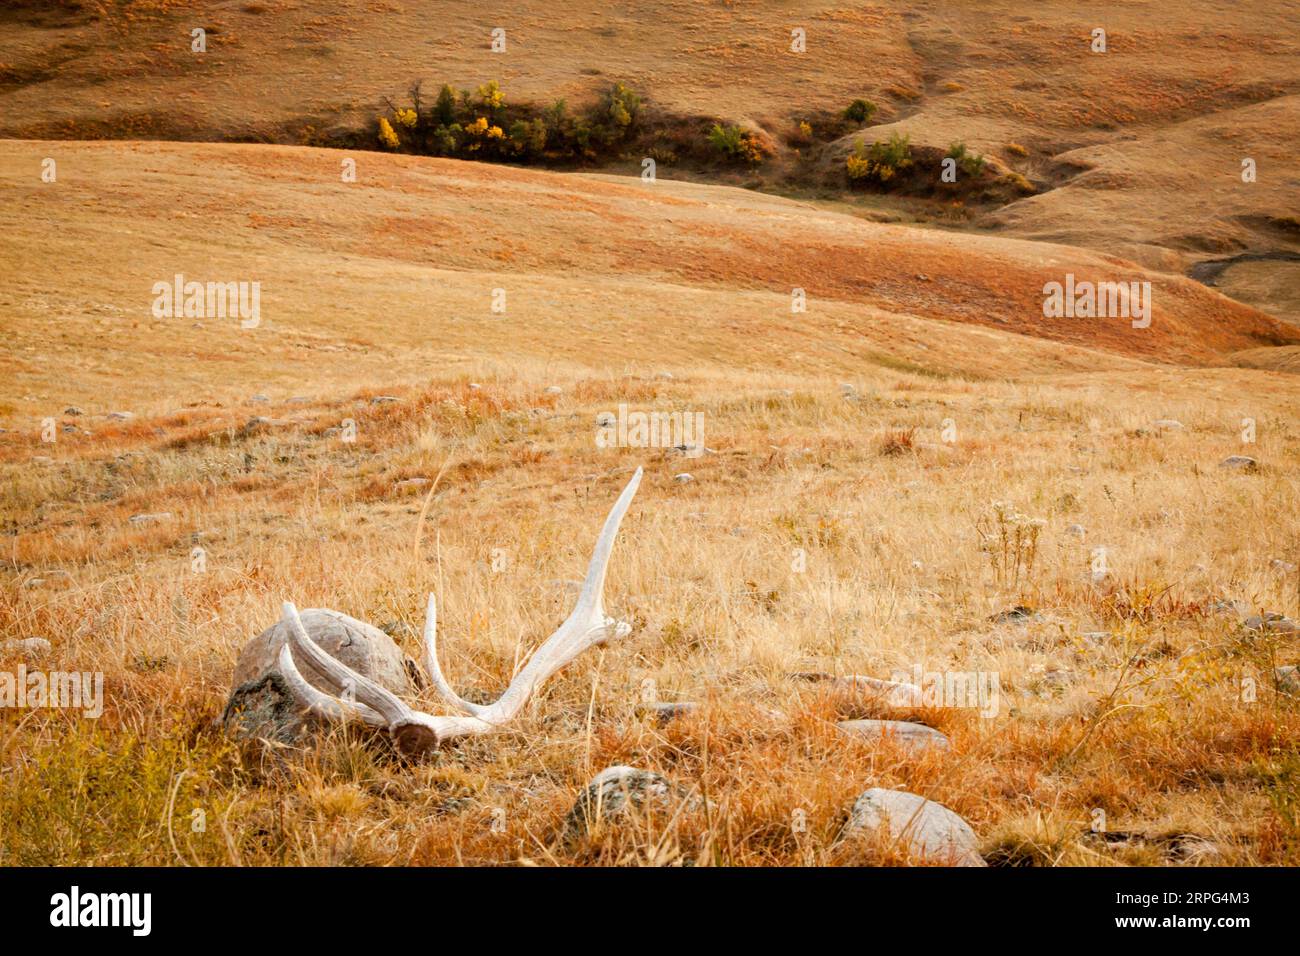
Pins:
<point x="387" y="135"/>
<point x="407" y="118"/>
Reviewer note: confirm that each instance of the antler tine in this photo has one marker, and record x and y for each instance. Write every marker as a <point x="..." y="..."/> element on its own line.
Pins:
<point x="591" y="599"/>
<point x="586" y="626"/>
<point x="435" y="669"/>
<point x="320" y="703"/>
<point x="389" y="706"/>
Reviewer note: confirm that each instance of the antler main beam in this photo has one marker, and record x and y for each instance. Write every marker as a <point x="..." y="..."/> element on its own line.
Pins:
<point x="415" y="731"/>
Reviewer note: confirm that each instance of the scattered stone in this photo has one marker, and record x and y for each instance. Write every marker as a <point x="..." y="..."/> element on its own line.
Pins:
<point x="29" y="647"/>
<point x="1272" y="621"/>
<point x="57" y="577"/>
<point x="664" y="711"/>
<point x="890" y="692"/>
<point x="42" y="460"/>
<point x="259" y="399"/>
<point x="299" y="400"/>
<point x="666" y="376"/>
<point x="1167" y="424"/>
<point x="606" y="420"/>
<point x="261" y="421"/>
<point x="121" y="416"/>
<point x="1097" y="637"/>
<point x="554" y="390"/>
<point x="384" y="399"/>
<point x="1285" y="567"/>
<point x="929" y="829"/>
<point x="412" y="483"/>
<point x="911" y="735"/>
<point x="1287" y="680"/>
<point x="1017" y="615"/>
<point x="683" y="478"/>
<point x="1239" y="461"/>
<point x="73" y="410"/>
<point x="619" y="791"/>
<point x="475" y="385"/>
<point x="150" y="518"/>
<point x="1077" y="530"/>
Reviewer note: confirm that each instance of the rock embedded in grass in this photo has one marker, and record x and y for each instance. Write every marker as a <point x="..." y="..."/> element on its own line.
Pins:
<point x="664" y="711"/>
<point x="890" y="692"/>
<point x="622" y="791"/>
<point x="261" y="704"/>
<point x="28" y="647"/>
<point x="928" y="829"/>
<point x="1244" y="462"/>
<point x="1287" y="680"/>
<point x="151" y="518"/>
<point x="908" y="734"/>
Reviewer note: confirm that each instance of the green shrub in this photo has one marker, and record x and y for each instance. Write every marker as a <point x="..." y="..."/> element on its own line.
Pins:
<point x="881" y="163"/>
<point x="970" y="163"/>
<point x="444" y="110"/>
<point x="860" y="111"/>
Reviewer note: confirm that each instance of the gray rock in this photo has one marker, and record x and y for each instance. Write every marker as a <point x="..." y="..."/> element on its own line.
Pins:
<point x="412" y="483"/>
<point x="1077" y="530"/>
<point x="683" y="478"/>
<point x="1287" y="680"/>
<point x="621" y="791"/>
<point x="73" y="410"/>
<point x="261" y="704"/>
<point x="1167" y="424"/>
<point x="907" y="734"/>
<point x="121" y="416"/>
<point x="928" y="829"/>
<point x="1016" y="615"/>
<point x="891" y="692"/>
<point x="1272" y="621"/>
<point x="606" y="420"/>
<point x="1239" y="461"/>
<point x="29" y="647"/>
<point x="664" y="711"/>
<point x="553" y="390"/>
<point x="384" y="399"/>
<point x="150" y="518"/>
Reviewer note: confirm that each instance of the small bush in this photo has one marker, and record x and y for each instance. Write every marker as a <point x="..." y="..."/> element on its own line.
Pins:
<point x="860" y="111"/>
<point x="881" y="162"/>
<point x="387" y="135"/>
<point x="898" y="442"/>
<point x="970" y="163"/>
<point x="736" y="145"/>
<point x="1015" y="149"/>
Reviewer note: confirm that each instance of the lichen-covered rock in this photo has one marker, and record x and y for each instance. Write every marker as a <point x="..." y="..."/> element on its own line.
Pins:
<point x="621" y="791"/>
<point x="28" y="647"/>
<point x="911" y="735"/>
<point x="928" y="829"/>
<point x="261" y="704"/>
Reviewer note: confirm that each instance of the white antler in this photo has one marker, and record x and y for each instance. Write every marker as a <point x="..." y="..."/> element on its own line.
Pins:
<point x="415" y="731"/>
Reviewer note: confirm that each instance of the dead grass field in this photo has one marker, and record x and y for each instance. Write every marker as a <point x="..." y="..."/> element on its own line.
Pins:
<point x="383" y="288"/>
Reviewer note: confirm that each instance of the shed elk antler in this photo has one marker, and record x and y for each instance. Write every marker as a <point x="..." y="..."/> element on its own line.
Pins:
<point x="414" y="731"/>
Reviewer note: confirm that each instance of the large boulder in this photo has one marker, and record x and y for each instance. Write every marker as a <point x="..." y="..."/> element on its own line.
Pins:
<point x="262" y="705"/>
<point x="929" y="830"/>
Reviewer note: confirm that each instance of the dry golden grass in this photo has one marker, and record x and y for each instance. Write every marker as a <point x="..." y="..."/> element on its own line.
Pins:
<point x="1146" y="725"/>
